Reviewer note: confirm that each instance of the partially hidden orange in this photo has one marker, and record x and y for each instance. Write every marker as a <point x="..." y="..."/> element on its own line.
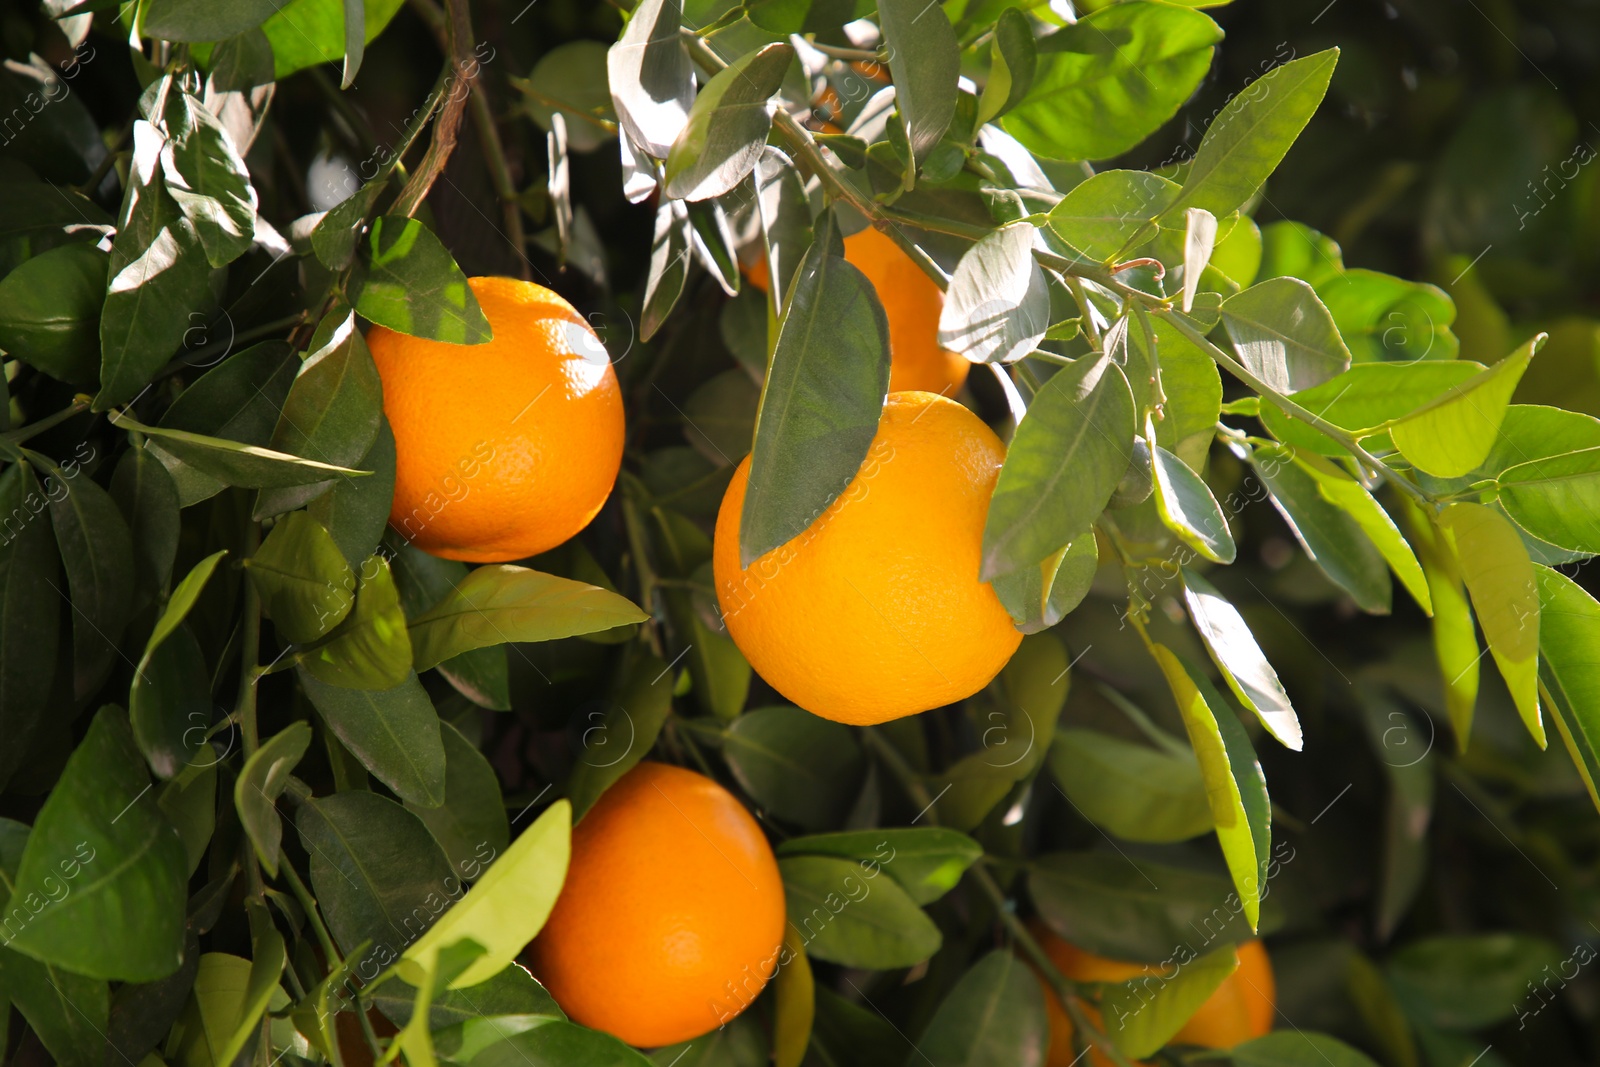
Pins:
<point x="911" y="302"/>
<point x="1240" y="1009"/>
<point x="671" y="919"/>
<point x="503" y="449"/>
<point x="875" y="611"/>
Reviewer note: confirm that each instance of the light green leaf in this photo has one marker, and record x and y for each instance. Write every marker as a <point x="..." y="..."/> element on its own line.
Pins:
<point x="1556" y="498"/>
<point x="927" y="861"/>
<point x="1284" y="334"/>
<point x="1186" y="506"/>
<point x="204" y="20"/>
<point x="261" y="781"/>
<point x="207" y="177"/>
<point x="1352" y="498"/>
<point x="306" y="587"/>
<point x="1367" y="395"/>
<point x="1134" y="791"/>
<point x="1453" y="433"/>
<point x="1200" y="238"/>
<point x="651" y="76"/>
<point x="1140" y="1019"/>
<point x="1569" y="669"/>
<point x="249" y="466"/>
<point x="307" y="33"/>
<point x="794" y="1008"/>
<point x="998" y="306"/>
<point x="1013" y="57"/>
<point x="1243" y="665"/>
<point x="1098" y="217"/>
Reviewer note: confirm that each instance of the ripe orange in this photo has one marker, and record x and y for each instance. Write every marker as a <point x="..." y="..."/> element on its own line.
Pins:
<point x="672" y="915"/>
<point x="876" y="610"/>
<point x="1241" y="1008"/>
<point x="912" y="303"/>
<point x="505" y="449"/>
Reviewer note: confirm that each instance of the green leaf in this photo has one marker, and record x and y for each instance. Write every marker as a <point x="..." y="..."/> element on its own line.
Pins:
<point x="1098" y="217"/>
<point x="30" y="607"/>
<point x="50" y="312"/>
<point x="1453" y="433"/>
<point x="845" y="914"/>
<point x="615" y="740"/>
<point x="1243" y="665"/>
<point x="407" y="281"/>
<point x="728" y="126"/>
<point x="572" y="73"/>
<point x="208" y="179"/>
<point x="1334" y="541"/>
<point x="1038" y="597"/>
<point x="1061" y="468"/>
<point x="1455" y="638"/>
<point x="1569" y="652"/>
<point x="1013" y="58"/>
<point x="821" y="402"/>
<point x="1468" y="981"/>
<point x="507" y="906"/>
<point x="500" y="603"/>
<point x="306" y="587"/>
<point x="994" y="1014"/>
<point x="1250" y="136"/>
<point x="249" y="466"/>
<point x="1107" y="82"/>
<point x="1408" y="809"/>
<point x="925" y="60"/>
<point x="794" y="1003"/>
<point x="182" y="599"/>
<point x="376" y="872"/>
<point x="393" y="732"/>
<point x="371" y="649"/>
<point x="1297" y="1048"/>
<point x="1505" y="595"/>
<point x="189" y="802"/>
<point x="1113" y="906"/>
<point x="1186" y="506"/>
<point x="803" y="769"/>
<point x="557" y="1044"/>
<point x="307" y="33"/>
<point x="786" y="232"/>
<point x="669" y="267"/>
<point x="1351" y="497"/>
<point x="355" y="511"/>
<point x="511" y="992"/>
<point x="1284" y="334"/>
<point x="355" y="40"/>
<point x="1554" y="498"/>
<point x="927" y="861"/>
<point x="332" y="414"/>
<point x="1384" y="317"/>
<point x="1140" y="1020"/>
<point x="719" y="418"/>
<point x="1366" y="396"/>
<point x="651" y="76"/>
<point x="267" y="960"/>
<point x="100" y="828"/>
<point x="261" y="782"/>
<point x="169" y="703"/>
<point x="145" y="494"/>
<point x="1235" y="789"/>
<point x="205" y="20"/>
<point x="1199" y="240"/>
<point x="1136" y="792"/>
<point x="97" y="553"/>
<point x="471" y="824"/>
<point x="998" y="306"/>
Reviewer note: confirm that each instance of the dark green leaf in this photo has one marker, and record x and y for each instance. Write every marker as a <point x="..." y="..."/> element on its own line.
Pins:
<point x="306" y="587"/>
<point x="511" y="992"/>
<point x="1136" y="792"/>
<point x="337" y="236"/>
<point x="355" y="511"/>
<point x="371" y="649"/>
<point x="994" y="1014"/>
<point x="727" y="127"/>
<point x="205" y="20"/>
<point x="1297" y="1048"/>
<point x="998" y="306"/>
<point x="479" y="674"/>
<point x="148" y="500"/>
<point x="238" y="400"/>
<point x="101" y="829"/>
<point x="803" y="769"/>
<point x="847" y="914"/>
<point x="50" y="312"/>
<point x="926" y="861"/>
<point x="250" y="466"/>
<point x="471" y="824"/>
<point x="557" y="1044"/>
<point x="98" y="555"/>
<point x="1468" y="981"/>
<point x="169" y="703"/>
<point x="572" y="74"/>
<point x="1334" y="541"/>
<point x="261" y="781"/>
<point x="407" y="281"/>
<point x="1061" y="468"/>
<point x="27" y="207"/>
<point x="1353" y="499"/>
<point x="30" y="607"/>
<point x="615" y="739"/>
<point x="785" y="214"/>
<point x="208" y="179"/>
<point x="719" y="417"/>
<point x="925" y="59"/>
<point x="395" y="733"/>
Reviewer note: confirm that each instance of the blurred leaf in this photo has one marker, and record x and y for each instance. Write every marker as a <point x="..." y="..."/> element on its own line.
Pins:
<point x="845" y="915"/>
<point x="1454" y="432"/>
<point x="1107" y="82"/>
<point x="1408" y="809"/>
<point x="1186" y="506"/>
<point x="925" y="60"/>
<point x="719" y="417"/>
<point x="1141" y="1020"/>
<point x="571" y="78"/>
<point x="306" y="33"/>
<point x="1353" y="499"/>
<point x="169" y="703"/>
<point x="994" y="1014"/>
<point x="50" y="312"/>
<point x="376" y="872"/>
<point x="1569" y="649"/>
<point x="1038" y="597"/>
<point x="927" y="861"/>
<point x="261" y="782"/>
<point x="406" y="280"/>
<point x="471" y="824"/>
<point x="355" y="40"/>
<point x="727" y="127"/>
<point x="1284" y="334"/>
<point x="1235" y="788"/>
<point x="1137" y="792"/>
<point x="355" y="511"/>
<point x="651" y="76"/>
<point x="1100" y="216"/>
<point x="415" y="1040"/>
<point x="507" y="906"/>
<point x="1505" y="596"/>
<point x="205" y="20"/>
<point x="97" y="553"/>
<point x="803" y="769"/>
<point x="794" y="1008"/>
<point x="998" y="306"/>
<point x="1062" y="466"/>
<point x="1382" y="317"/>
<point x="1297" y="1048"/>
<point x="1554" y="498"/>
<point x="1013" y="58"/>
<point x="822" y="399"/>
<point x="306" y="586"/>
<point x="500" y="603"/>
<point x="1243" y="665"/>
<point x="1253" y="132"/>
<point x="1455" y="638"/>
<point x="101" y="824"/>
<point x="31" y="206"/>
<point x="511" y="992"/>
<point x="1334" y="541"/>
<point x="206" y="176"/>
<point x="189" y="802"/>
<point x="616" y="739"/>
<point x="1468" y="981"/>
<point x="267" y="960"/>
<point x="393" y="732"/>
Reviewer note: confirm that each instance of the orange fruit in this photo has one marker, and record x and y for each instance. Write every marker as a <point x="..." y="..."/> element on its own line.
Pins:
<point x="672" y="915"/>
<point x="876" y="610"/>
<point x="911" y="302"/>
<point x="1240" y="1009"/>
<point x="505" y="449"/>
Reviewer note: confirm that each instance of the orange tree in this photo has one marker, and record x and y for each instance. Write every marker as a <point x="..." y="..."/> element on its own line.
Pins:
<point x="915" y="428"/>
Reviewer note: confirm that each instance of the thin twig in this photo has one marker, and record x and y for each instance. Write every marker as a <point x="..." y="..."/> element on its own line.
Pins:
<point x="448" y="124"/>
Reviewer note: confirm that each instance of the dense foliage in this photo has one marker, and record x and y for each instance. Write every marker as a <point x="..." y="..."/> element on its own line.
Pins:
<point x="269" y="771"/>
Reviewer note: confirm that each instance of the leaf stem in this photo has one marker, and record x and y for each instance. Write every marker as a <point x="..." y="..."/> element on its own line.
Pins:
<point x="642" y="567"/>
<point x="249" y="649"/>
<point x="80" y="404"/>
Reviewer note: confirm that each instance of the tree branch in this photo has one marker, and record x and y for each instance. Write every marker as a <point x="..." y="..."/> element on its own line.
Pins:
<point x="448" y="124"/>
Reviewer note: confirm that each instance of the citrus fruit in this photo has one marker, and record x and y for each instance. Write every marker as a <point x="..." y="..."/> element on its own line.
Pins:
<point x="672" y="915"/>
<point x="875" y="611"/>
<point x="503" y="449"/>
<point x="911" y="302"/>
<point x="1240" y="1009"/>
